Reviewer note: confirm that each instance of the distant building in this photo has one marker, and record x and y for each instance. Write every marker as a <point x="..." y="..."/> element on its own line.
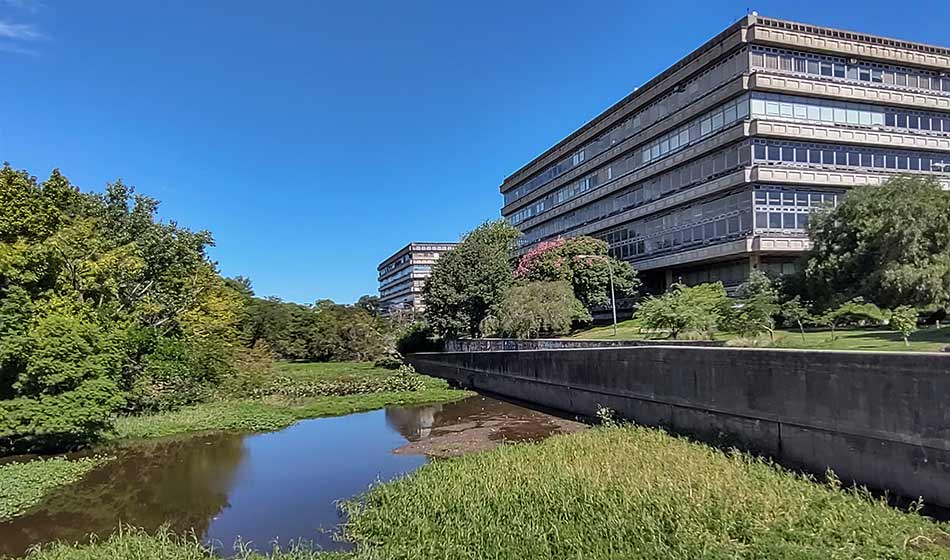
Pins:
<point x="712" y="168"/>
<point x="402" y="276"/>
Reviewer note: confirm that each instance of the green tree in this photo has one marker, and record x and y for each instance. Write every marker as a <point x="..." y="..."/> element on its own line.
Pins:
<point x="469" y="280"/>
<point x="794" y="311"/>
<point x="904" y="321"/>
<point x="852" y="312"/>
<point x="585" y="263"/>
<point x="537" y="308"/>
<point x="684" y="309"/>
<point x="753" y="310"/>
<point x="100" y="304"/>
<point x="889" y="244"/>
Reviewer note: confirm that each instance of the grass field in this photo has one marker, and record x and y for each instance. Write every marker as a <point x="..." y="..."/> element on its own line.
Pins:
<point x="607" y="493"/>
<point x="925" y="340"/>
<point x="276" y="411"/>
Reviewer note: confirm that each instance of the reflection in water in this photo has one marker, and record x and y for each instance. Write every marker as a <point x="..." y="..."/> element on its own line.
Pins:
<point x="281" y="486"/>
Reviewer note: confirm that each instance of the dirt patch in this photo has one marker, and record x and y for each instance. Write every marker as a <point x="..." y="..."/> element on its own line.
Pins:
<point x="479" y="424"/>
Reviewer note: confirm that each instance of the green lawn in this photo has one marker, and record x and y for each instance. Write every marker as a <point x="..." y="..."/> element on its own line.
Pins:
<point x="925" y="340"/>
<point x="603" y="494"/>
<point x="277" y="411"/>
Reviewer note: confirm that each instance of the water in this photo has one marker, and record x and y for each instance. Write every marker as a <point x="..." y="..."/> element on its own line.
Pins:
<point x="274" y="487"/>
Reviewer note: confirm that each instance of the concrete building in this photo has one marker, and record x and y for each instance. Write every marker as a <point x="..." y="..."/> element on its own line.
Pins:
<point x="402" y="276"/>
<point x="712" y="168"/>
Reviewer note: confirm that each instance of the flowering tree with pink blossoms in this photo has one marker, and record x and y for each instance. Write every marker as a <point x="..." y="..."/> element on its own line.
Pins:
<point x="585" y="263"/>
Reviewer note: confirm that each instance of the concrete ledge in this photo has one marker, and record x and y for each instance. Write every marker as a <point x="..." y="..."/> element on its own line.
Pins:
<point x="515" y="344"/>
<point x="876" y="418"/>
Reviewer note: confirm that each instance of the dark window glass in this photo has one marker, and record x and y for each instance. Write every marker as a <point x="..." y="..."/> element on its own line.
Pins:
<point x="775" y="220"/>
<point x="788" y="153"/>
<point x="902" y="162"/>
<point x="890" y="119"/>
<point x="826" y="69"/>
<point x="828" y="157"/>
<point x="775" y="153"/>
<point x="803" y="221"/>
<point x="761" y="219"/>
<point x="801" y="155"/>
<point x="760" y="151"/>
<point x="902" y="121"/>
<point x="788" y="219"/>
<point x="814" y="155"/>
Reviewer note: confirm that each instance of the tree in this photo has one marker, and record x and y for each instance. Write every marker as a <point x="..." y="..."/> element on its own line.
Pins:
<point x="754" y="309"/>
<point x="794" y="311"/>
<point x="585" y="263"/>
<point x="683" y="308"/>
<point x="537" y="308"/>
<point x="370" y="304"/>
<point x="889" y="244"/>
<point x="101" y="306"/>
<point x="854" y="311"/>
<point x="904" y="321"/>
<point x="469" y="280"/>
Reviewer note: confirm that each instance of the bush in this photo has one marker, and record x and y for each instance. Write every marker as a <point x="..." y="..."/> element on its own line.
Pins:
<point x="684" y="309"/>
<point x="389" y="362"/>
<point x="418" y="337"/>
<point x="67" y="392"/>
<point x="537" y="308"/>
<point x="176" y="374"/>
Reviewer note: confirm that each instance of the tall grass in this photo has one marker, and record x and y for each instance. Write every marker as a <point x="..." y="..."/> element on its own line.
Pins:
<point x="135" y="544"/>
<point x="629" y="492"/>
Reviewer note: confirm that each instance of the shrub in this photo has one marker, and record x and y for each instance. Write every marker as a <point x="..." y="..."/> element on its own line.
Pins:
<point x="418" y="337"/>
<point x="537" y="308"/>
<point x="389" y="362"/>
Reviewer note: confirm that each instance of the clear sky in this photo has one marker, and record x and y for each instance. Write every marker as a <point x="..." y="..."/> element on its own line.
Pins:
<point x="314" y="138"/>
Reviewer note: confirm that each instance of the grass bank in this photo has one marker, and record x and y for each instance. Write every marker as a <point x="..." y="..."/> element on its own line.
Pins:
<point x="925" y="340"/>
<point x="630" y="492"/>
<point x="23" y="485"/>
<point x="298" y="391"/>
<point x="608" y="493"/>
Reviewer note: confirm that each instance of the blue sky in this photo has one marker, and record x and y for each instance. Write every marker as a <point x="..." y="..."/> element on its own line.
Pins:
<point x="315" y="138"/>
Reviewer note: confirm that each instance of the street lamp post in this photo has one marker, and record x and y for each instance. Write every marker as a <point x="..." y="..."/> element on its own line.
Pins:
<point x="613" y="297"/>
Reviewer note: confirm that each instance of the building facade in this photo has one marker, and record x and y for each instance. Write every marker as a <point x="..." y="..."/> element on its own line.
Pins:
<point x="712" y="168"/>
<point x="402" y="276"/>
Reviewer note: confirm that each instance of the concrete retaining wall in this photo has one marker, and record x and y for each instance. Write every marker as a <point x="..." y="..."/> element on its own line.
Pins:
<point x="879" y="419"/>
<point x="508" y="344"/>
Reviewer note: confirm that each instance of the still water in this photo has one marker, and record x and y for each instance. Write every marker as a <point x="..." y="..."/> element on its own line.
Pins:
<point x="278" y="487"/>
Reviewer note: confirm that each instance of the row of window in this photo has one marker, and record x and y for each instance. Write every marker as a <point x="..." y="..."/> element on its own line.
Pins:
<point x="828" y="155"/>
<point x="826" y="111"/>
<point x="848" y="69"/>
<point x="417" y="269"/>
<point x="730" y="274"/>
<point x="699" y="128"/>
<point x="683" y="95"/>
<point x="695" y="172"/>
<point x="777" y="209"/>
<point x="725" y="161"/>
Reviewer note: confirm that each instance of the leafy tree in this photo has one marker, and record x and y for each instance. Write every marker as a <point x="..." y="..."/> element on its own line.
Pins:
<point x="904" y="321"/>
<point x="98" y="301"/>
<point x="370" y="304"/>
<point x="889" y="244"/>
<point x="794" y="311"/>
<point x="469" y="280"/>
<point x="683" y="308"/>
<point x="537" y="308"/>
<point x="585" y="263"/>
<point x="854" y="311"/>
<point x="754" y="309"/>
